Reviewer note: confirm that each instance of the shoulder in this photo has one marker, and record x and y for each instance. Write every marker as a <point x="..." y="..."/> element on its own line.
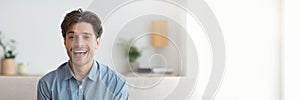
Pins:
<point x="108" y="73"/>
<point x="106" y="69"/>
<point x="114" y="82"/>
<point x="45" y="84"/>
<point x="110" y="77"/>
<point x="52" y="76"/>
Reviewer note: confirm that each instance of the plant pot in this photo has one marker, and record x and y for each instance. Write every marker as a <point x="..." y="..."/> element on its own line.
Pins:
<point x="8" y="67"/>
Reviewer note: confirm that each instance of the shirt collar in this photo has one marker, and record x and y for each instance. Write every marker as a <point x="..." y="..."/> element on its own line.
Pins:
<point x="69" y="73"/>
<point x="93" y="72"/>
<point x="91" y="75"/>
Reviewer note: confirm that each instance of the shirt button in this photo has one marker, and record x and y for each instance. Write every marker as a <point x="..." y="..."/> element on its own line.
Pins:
<point x="80" y="87"/>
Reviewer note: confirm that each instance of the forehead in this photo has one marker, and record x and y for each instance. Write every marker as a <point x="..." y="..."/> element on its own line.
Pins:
<point x="81" y="28"/>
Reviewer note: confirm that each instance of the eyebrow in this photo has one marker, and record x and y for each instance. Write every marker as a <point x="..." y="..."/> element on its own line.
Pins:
<point x="70" y="32"/>
<point x="86" y="33"/>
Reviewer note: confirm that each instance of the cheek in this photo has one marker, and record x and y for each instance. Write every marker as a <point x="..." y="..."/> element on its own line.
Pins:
<point x="68" y="45"/>
<point x="92" y="46"/>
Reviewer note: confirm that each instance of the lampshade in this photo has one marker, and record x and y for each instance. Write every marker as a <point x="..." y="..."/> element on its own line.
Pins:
<point x="159" y="33"/>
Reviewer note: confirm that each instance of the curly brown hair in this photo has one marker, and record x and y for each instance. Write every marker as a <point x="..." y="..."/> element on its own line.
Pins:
<point x="79" y="15"/>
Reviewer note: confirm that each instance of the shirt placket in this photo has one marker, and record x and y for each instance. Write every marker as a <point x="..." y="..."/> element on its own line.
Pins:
<point x="80" y="92"/>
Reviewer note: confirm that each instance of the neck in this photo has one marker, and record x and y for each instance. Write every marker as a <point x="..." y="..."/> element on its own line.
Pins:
<point x="81" y="71"/>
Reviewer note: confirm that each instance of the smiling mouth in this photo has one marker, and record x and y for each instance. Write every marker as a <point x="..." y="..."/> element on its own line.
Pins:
<point x="79" y="52"/>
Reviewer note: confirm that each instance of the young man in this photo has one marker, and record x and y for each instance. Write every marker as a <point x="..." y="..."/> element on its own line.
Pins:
<point x="82" y="77"/>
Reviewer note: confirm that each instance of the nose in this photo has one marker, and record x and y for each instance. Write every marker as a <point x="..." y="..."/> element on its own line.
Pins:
<point x="78" y="41"/>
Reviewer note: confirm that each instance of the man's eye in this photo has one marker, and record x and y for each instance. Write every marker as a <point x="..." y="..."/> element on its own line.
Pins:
<point x="71" y="37"/>
<point x="86" y="37"/>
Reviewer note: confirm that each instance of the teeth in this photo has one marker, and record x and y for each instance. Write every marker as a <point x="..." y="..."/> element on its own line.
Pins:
<point x="79" y="52"/>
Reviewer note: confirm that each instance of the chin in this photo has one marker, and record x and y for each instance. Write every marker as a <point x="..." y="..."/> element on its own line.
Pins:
<point x="76" y="62"/>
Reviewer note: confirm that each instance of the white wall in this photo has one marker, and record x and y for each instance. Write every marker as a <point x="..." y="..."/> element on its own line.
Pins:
<point x="250" y="28"/>
<point x="291" y="48"/>
<point x="139" y="29"/>
<point x="134" y="25"/>
<point x="35" y="25"/>
<point x="252" y="39"/>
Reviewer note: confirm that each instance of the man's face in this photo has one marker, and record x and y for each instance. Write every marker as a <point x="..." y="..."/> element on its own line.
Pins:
<point x="81" y="43"/>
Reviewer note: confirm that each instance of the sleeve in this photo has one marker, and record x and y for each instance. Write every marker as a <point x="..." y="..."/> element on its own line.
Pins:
<point x="43" y="92"/>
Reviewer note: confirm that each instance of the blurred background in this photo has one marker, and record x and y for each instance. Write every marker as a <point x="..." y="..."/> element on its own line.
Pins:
<point x="261" y="42"/>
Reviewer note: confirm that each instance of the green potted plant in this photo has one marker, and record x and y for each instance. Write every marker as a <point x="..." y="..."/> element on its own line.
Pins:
<point x="8" y="63"/>
<point x="132" y="52"/>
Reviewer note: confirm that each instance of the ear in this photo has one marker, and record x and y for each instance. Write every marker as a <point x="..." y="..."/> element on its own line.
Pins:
<point x="97" y="43"/>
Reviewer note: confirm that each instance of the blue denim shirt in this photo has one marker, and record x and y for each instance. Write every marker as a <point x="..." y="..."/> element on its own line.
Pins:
<point x="101" y="83"/>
